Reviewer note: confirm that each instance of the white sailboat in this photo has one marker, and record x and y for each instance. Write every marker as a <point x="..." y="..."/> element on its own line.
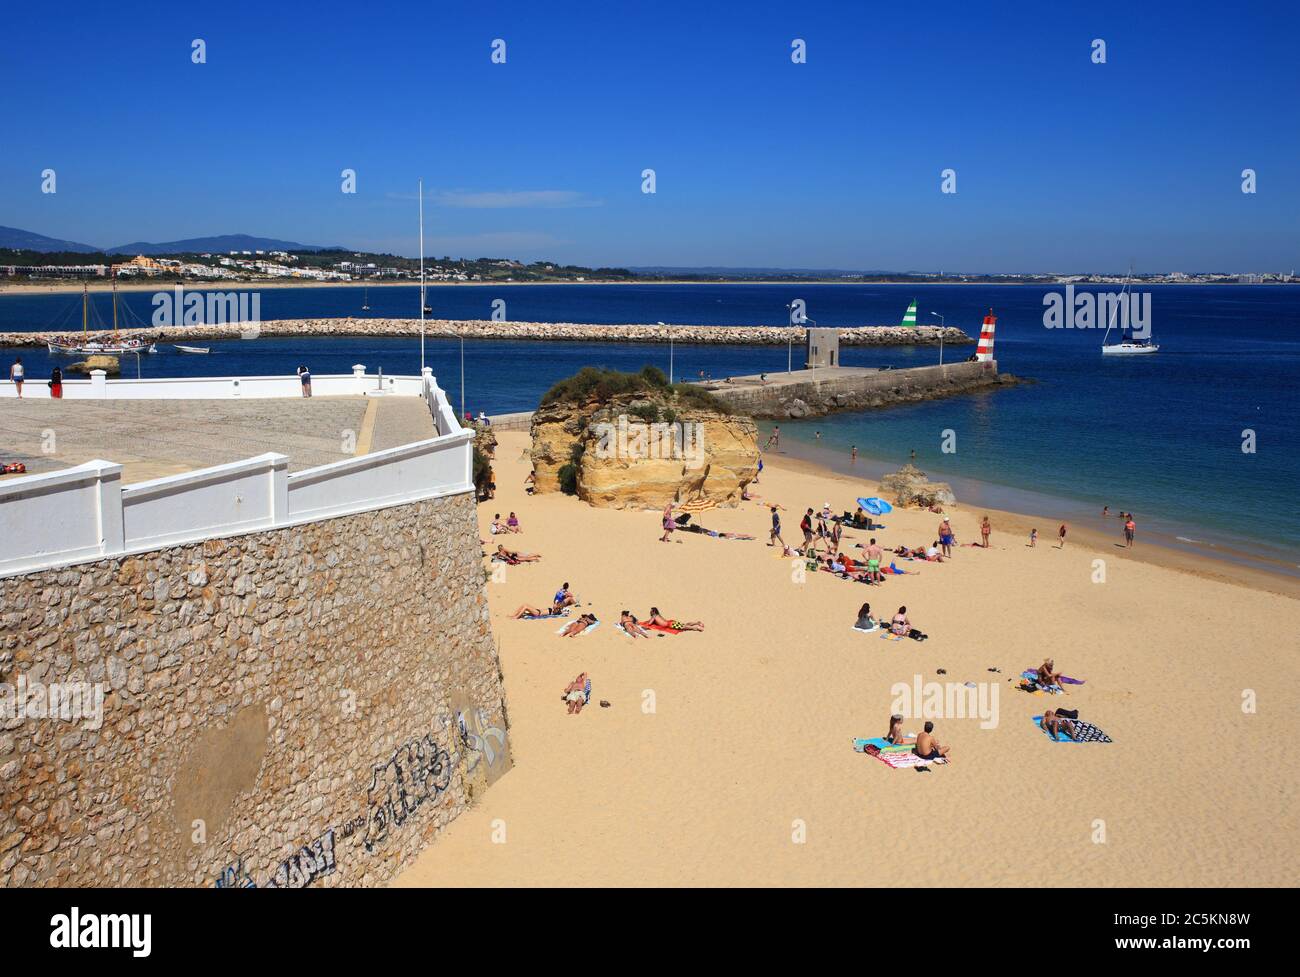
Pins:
<point x="365" y="300"/>
<point x="116" y="346"/>
<point x="1127" y="345"/>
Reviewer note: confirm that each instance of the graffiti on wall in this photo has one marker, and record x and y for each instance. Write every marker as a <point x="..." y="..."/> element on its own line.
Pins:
<point x="482" y="740"/>
<point x="418" y="772"/>
<point x="298" y="871"/>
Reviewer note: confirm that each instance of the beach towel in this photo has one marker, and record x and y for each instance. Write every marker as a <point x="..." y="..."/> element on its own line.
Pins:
<point x="1030" y="685"/>
<point x="1065" y="679"/>
<point x="619" y="627"/>
<point x="544" y="617"/>
<point x="660" y="627"/>
<point x="896" y="756"/>
<point x="587" y="630"/>
<point x="1084" y="733"/>
<point x="890" y="636"/>
<point x="869" y="630"/>
<point x="1072" y="681"/>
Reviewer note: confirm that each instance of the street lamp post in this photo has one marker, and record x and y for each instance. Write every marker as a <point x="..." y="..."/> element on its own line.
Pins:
<point x="943" y="324"/>
<point x="670" y="353"/>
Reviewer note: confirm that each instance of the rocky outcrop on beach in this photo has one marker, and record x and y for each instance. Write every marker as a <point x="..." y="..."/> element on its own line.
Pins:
<point x="910" y="486"/>
<point x="552" y="331"/>
<point x="638" y="452"/>
<point x="109" y="364"/>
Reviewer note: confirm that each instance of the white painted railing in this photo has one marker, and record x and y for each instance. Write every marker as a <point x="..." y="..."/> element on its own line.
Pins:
<point x="99" y="387"/>
<point x="85" y="513"/>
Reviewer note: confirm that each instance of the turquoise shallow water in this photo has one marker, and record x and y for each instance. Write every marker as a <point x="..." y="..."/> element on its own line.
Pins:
<point x="1159" y="435"/>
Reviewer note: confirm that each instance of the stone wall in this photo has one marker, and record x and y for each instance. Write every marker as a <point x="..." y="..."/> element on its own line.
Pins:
<point x="789" y="396"/>
<point x="301" y="706"/>
<point x="561" y="331"/>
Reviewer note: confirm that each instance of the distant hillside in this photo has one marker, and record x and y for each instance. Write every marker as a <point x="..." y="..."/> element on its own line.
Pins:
<point x="20" y="240"/>
<point x="220" y="244"/>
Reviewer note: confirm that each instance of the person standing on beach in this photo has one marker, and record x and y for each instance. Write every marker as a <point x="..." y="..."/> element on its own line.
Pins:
<point x="16" y="375"/>
<point x="806" y="524"/>
<point x="946" y="538"/>
<point x="774" y="442"/>
<point x="985" y="530"/>
<point x="304" y="375"/>
<point x="1130" y="529"/>
<point x="1061" y="533"/>
<point x="1033" y="538"/>
<point x="760" y="469"/>
<point x="669" y="525"/>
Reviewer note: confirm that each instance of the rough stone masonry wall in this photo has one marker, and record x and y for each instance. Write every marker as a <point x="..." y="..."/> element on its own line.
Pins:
<point x="282" y="708"/>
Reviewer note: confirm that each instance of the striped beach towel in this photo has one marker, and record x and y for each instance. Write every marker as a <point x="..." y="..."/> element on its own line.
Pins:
<point x="1084" y="733"/>
<point x="587" y="630"/>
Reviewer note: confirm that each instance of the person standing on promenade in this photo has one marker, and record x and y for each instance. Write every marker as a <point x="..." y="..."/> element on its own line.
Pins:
<point x="16" y="375"/>
<point x="56" y="383"/>
<point x="1130" y="529"/>
<point x="986" y="529"/>
<point x="304" y="375"/>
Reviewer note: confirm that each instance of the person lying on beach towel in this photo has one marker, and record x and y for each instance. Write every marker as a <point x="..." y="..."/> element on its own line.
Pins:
<point x="577" y="694"/>
<point x="583" y="622"/>
<point x="1056" y="725"/>
<point x="513" y="558"/>
<point x="657" y="620"/>
<point x="927" y="747"/>
<point x="526" y="612"/>
<point x="631" y="627"/>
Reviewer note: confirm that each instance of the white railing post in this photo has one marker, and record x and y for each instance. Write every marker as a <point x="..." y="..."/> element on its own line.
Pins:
<point x="108" y="500"/>
<point x="279" y="471"/>
<point x="98" y="385"/>
<point x="359" y="372"/>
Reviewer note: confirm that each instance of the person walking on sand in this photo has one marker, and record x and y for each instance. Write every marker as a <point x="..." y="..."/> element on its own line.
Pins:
<point x="776" y="530"/>
<point x="1061" y="533"/>
<point x="16" y="375"/>
<point x="1033" y="538"/>
<point x="304" y="375"/>
<point x="806" y="524"/>
<point x="774" y="441"/>
<point x="986" y="529"/>
<point x="669" y="524"/>
<point x="1130" y="529"/>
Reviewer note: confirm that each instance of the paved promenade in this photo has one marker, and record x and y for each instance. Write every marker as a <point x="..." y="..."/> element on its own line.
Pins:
<point x="153" y="438"/>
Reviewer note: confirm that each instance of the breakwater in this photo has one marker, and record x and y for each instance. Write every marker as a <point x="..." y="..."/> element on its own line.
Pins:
<point x="826" y="390"/>
<point x="541" y="331"/>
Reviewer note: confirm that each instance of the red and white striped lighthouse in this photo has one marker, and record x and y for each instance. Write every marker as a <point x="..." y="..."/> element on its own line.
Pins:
<point x="984" y="351"/>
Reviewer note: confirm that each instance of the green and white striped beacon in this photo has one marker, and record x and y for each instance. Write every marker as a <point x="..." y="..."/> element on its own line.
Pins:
<point x="910" y="318"/>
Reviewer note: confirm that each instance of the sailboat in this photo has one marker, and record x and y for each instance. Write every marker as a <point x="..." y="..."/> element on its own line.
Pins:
<point x="365" y="300"/>
<point x="93" y="347"/>
<point x="1127" y="345"/>
<point x="909" y="318"/>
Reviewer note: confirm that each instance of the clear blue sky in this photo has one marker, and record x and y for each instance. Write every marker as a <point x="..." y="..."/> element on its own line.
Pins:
<point x="1061" y="164"/>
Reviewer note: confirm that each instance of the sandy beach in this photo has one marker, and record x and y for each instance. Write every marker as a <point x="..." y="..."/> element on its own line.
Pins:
<point x="726" y="758"/>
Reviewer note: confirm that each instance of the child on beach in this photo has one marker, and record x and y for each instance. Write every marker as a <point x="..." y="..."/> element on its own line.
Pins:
<point x="1033" y="537"/>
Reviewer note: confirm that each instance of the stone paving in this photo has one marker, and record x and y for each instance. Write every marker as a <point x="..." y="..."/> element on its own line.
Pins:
<point x="153" y="438"/>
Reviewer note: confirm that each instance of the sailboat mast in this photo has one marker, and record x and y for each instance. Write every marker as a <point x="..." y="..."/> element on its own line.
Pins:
<point x="115" y="305"/>
<point x="85" y="298"/>
<point x="421" y="192"/>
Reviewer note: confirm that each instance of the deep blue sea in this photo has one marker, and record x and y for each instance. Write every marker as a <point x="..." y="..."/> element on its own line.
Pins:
<point x="1161" y="436"/>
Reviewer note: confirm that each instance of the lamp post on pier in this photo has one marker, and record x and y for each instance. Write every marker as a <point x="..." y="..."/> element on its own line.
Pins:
<point x="943" y="324"/>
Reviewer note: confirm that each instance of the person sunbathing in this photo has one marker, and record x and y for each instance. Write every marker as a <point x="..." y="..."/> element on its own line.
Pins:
<point x="524" y="611"/>
<point x="1047" y="674"/>
<point x="575" y="694"/>
<point x="631" y="626"/>
<point x="577" y="627"/>
<point x="511" y="557"/>
<point x="927" y="747"/>
<point x="895" y="734"/>
<point x="1055" y="724"/>
<point x="659" y="621"/>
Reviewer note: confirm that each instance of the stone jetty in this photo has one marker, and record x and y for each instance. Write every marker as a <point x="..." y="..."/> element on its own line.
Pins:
<point x="541" y="331"/>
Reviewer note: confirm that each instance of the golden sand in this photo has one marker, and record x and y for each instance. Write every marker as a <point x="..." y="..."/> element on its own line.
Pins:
<point x="744" y="772"/>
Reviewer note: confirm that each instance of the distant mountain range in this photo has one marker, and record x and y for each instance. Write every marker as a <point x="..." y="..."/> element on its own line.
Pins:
<point x="13" y="237"/>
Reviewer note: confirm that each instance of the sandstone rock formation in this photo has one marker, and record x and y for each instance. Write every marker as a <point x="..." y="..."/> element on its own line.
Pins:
<point x="909" y="486"/>
<point x="636" y="451"/>
<point x="109" y="364"/>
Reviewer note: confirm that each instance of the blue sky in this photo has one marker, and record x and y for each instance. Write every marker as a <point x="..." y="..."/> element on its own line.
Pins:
<point x="1061" y="164"/>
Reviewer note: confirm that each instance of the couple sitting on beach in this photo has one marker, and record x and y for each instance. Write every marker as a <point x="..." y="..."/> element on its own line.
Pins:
<point x="560" y="603"/>
<point x="900" y="625"/>
<point x="926" y="746"/>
